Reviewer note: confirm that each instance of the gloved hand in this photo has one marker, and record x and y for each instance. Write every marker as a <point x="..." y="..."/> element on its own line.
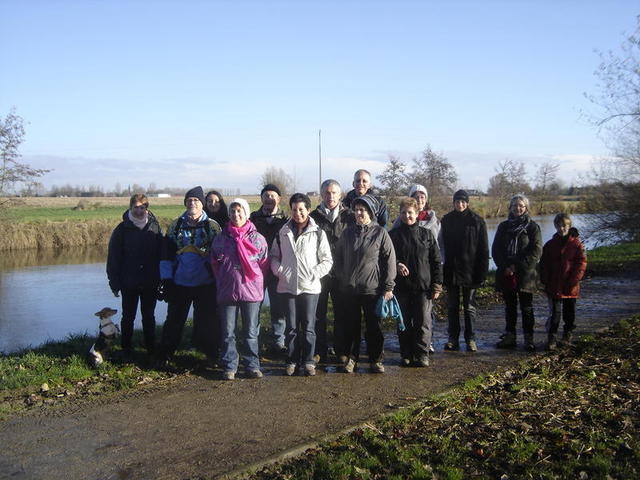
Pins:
<point x="166" y="290"/>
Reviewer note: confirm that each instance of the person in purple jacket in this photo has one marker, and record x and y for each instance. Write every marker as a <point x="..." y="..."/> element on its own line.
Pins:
<point x="239" y="260"/>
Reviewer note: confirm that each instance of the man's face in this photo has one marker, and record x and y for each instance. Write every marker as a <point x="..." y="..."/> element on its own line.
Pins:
<point x="299" y="213"/>
<point x="138" y="210"/>
<point x="270" y="200"/>
<point x="331" y="196"/>
<point x="460" y="205"/>
<point x="361" y="183"/>
<point x="194" y="206"/>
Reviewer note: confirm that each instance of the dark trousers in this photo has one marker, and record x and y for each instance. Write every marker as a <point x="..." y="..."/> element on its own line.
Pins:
<point x="276" y="309"/>
<point x="416" y="313"/>
<point x="357" y="306"/>
<point x="206" y="327"/>
<point x="130" y="298"/>
<point x="511" y="299"/>
<point x="565" y="307"/>
<point x="470" y="306"/>
<point x="329" y="288"/>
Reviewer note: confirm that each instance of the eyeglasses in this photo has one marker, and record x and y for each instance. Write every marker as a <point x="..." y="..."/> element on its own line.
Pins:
<point x="140" y="207"/>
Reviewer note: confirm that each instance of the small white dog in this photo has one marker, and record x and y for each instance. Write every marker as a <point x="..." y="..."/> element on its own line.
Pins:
<point x="108" y="332"/>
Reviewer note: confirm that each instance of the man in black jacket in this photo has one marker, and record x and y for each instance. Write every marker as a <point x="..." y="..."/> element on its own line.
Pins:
<point x="269" y="219"/>
<point x="332" y="217"/>
<point x="362" y="186"/>
<point x="465" y="253"/>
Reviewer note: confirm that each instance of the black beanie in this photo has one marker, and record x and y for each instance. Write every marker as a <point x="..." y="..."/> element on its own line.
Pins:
<point x="195" y="192"/>
<point x="270" y="187"/>
<point x="461" y="195"/>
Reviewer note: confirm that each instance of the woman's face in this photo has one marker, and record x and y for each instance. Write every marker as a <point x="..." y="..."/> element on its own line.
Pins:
<point x="518" y="208"/>
<point x="362" y="214"/>
<point x="213" y="203"/>
<point x="408" y="215"/>
<point x="138" y="209"/>
<point x="421" y="198"/>
<point x="237" y="215"/>
<point x="299" y="213"/>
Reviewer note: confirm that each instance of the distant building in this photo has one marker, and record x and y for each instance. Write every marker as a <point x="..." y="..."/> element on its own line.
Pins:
<point x="159" y="195"/>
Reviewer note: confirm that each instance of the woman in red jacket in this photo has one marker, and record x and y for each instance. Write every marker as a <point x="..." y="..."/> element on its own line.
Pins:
<point x="562" y="266"/>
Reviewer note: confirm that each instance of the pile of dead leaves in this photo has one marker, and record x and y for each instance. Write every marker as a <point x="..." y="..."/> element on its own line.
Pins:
<point x="571" y="414"/>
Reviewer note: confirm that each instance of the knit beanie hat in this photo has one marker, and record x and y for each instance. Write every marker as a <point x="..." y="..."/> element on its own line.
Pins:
<point x="418" y="188"/>
<point x="270" y="187"/>
<point x="368" y="201"/>
<point x="243" y="203"/>
<point x="461" y="195"/>
<point x="195" y="192"/>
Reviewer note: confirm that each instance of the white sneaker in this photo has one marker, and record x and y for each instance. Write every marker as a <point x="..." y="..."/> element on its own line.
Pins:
<point x="377" y="367"/>
<point x="309" y="370"/>
<point x="229" y="375"/>
<point x="291" y="369"/>
<point x="254" y="373"/>
<point x="350" y="366"/>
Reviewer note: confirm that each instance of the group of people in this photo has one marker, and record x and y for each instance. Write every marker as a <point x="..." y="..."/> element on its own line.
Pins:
<point x="221" y="259"/>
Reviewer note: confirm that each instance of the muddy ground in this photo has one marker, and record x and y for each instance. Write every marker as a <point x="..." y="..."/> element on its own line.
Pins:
<point x="197" y="426"/>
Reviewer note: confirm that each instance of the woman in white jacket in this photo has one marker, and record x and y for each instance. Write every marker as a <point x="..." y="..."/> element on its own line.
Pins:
<point x="300" y="257"/>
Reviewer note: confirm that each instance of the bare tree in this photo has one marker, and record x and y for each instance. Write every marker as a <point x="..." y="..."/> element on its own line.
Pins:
<point x="393" y="178"/>
<point x="279" y="178"/>
<point x="545" y="178"/>
<point x="434" y="171"/>
<point x="12" y="171"/>
<point x="614" y="204"/>
<point x="510" y="178"/>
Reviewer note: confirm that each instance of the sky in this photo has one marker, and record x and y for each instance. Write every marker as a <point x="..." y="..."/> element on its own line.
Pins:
<point x="212" y="93"/>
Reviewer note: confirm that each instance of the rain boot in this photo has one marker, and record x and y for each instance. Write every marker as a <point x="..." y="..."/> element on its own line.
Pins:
<point x="507" y="340"/>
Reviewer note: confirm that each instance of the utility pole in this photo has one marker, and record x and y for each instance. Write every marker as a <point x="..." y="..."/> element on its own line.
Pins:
<point x="319" y="161"/>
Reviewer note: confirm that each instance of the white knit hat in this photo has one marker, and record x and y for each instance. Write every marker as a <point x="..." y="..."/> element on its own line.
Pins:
<point x="418" y="188"/>
<point x="243" y="203"/>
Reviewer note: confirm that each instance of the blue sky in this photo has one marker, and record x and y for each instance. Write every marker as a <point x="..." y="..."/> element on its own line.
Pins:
<point x="213" y="93"/>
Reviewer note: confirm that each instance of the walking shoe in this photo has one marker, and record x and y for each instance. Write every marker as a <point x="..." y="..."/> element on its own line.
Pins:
<point x="350" y="366"/>
<point x="316" y="358"/>
<point x="405" y="362"/>
<point x="309" y="370"/>
<point x="566" y="337"/>
<point x="254" y="373"/>
<point x="423" y="361"/>
<point x="377" y="367"/>
<point x="451" y="346"/>
<point x="528" y="342"/>
<point x="342" y="359"/>
<point x="431" y="349"/>
<point x="228" y="375"/>
<point x="291" y="369"/>
<point x="471" y="346"/>
<point x="551" y="343"/>
<point x="507" y="340"/>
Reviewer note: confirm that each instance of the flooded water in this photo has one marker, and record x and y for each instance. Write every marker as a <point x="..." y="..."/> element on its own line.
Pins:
<point x="49" y="295"/>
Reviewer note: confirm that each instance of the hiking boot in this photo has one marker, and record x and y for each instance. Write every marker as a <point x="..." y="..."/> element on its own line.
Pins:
<point x="310" y="370"/>
<point x="507" y="340"/>
<point x="566" y="337"/>
<point x="377" y="367"/>
<point x="405" y="362"/>
<point x="529" y="346"/>
<point x="228" y="375"/>
<point x="551" y="343"/>
<point x="472" y="346"/>
<point x="451" y="346"/>
<point x="254" y="373"/>
<point x="316" y="358"/>
<point x="350" y="366"/>
<point x="291" y="369"/>
<point x="423" y="361"/>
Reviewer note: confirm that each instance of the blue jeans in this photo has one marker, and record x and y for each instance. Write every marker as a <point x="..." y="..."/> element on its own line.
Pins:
<point x="249" y="343"/>
<point x="300" y="312"/>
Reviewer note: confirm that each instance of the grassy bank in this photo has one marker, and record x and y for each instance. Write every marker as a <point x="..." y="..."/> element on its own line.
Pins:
<point x="573" y="414"/>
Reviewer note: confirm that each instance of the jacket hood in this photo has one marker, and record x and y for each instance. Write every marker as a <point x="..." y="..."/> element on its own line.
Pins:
<point x="369" y="202"/>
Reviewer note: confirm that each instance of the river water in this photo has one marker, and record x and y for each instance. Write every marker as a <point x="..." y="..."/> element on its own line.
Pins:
<point x="50" y="295"/>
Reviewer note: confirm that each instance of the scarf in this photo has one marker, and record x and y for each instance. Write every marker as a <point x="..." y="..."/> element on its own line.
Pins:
<point x="246" y="249"/>
<point x="515" y="226"/>
<point x="139" y="222"/>
<point x="332" y="215"/>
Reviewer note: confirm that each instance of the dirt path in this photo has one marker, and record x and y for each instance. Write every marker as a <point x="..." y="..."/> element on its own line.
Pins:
<point x="199" y="427"/>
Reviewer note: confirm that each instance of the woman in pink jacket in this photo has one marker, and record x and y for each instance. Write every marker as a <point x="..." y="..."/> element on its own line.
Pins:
<point x="239" y="260"/>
